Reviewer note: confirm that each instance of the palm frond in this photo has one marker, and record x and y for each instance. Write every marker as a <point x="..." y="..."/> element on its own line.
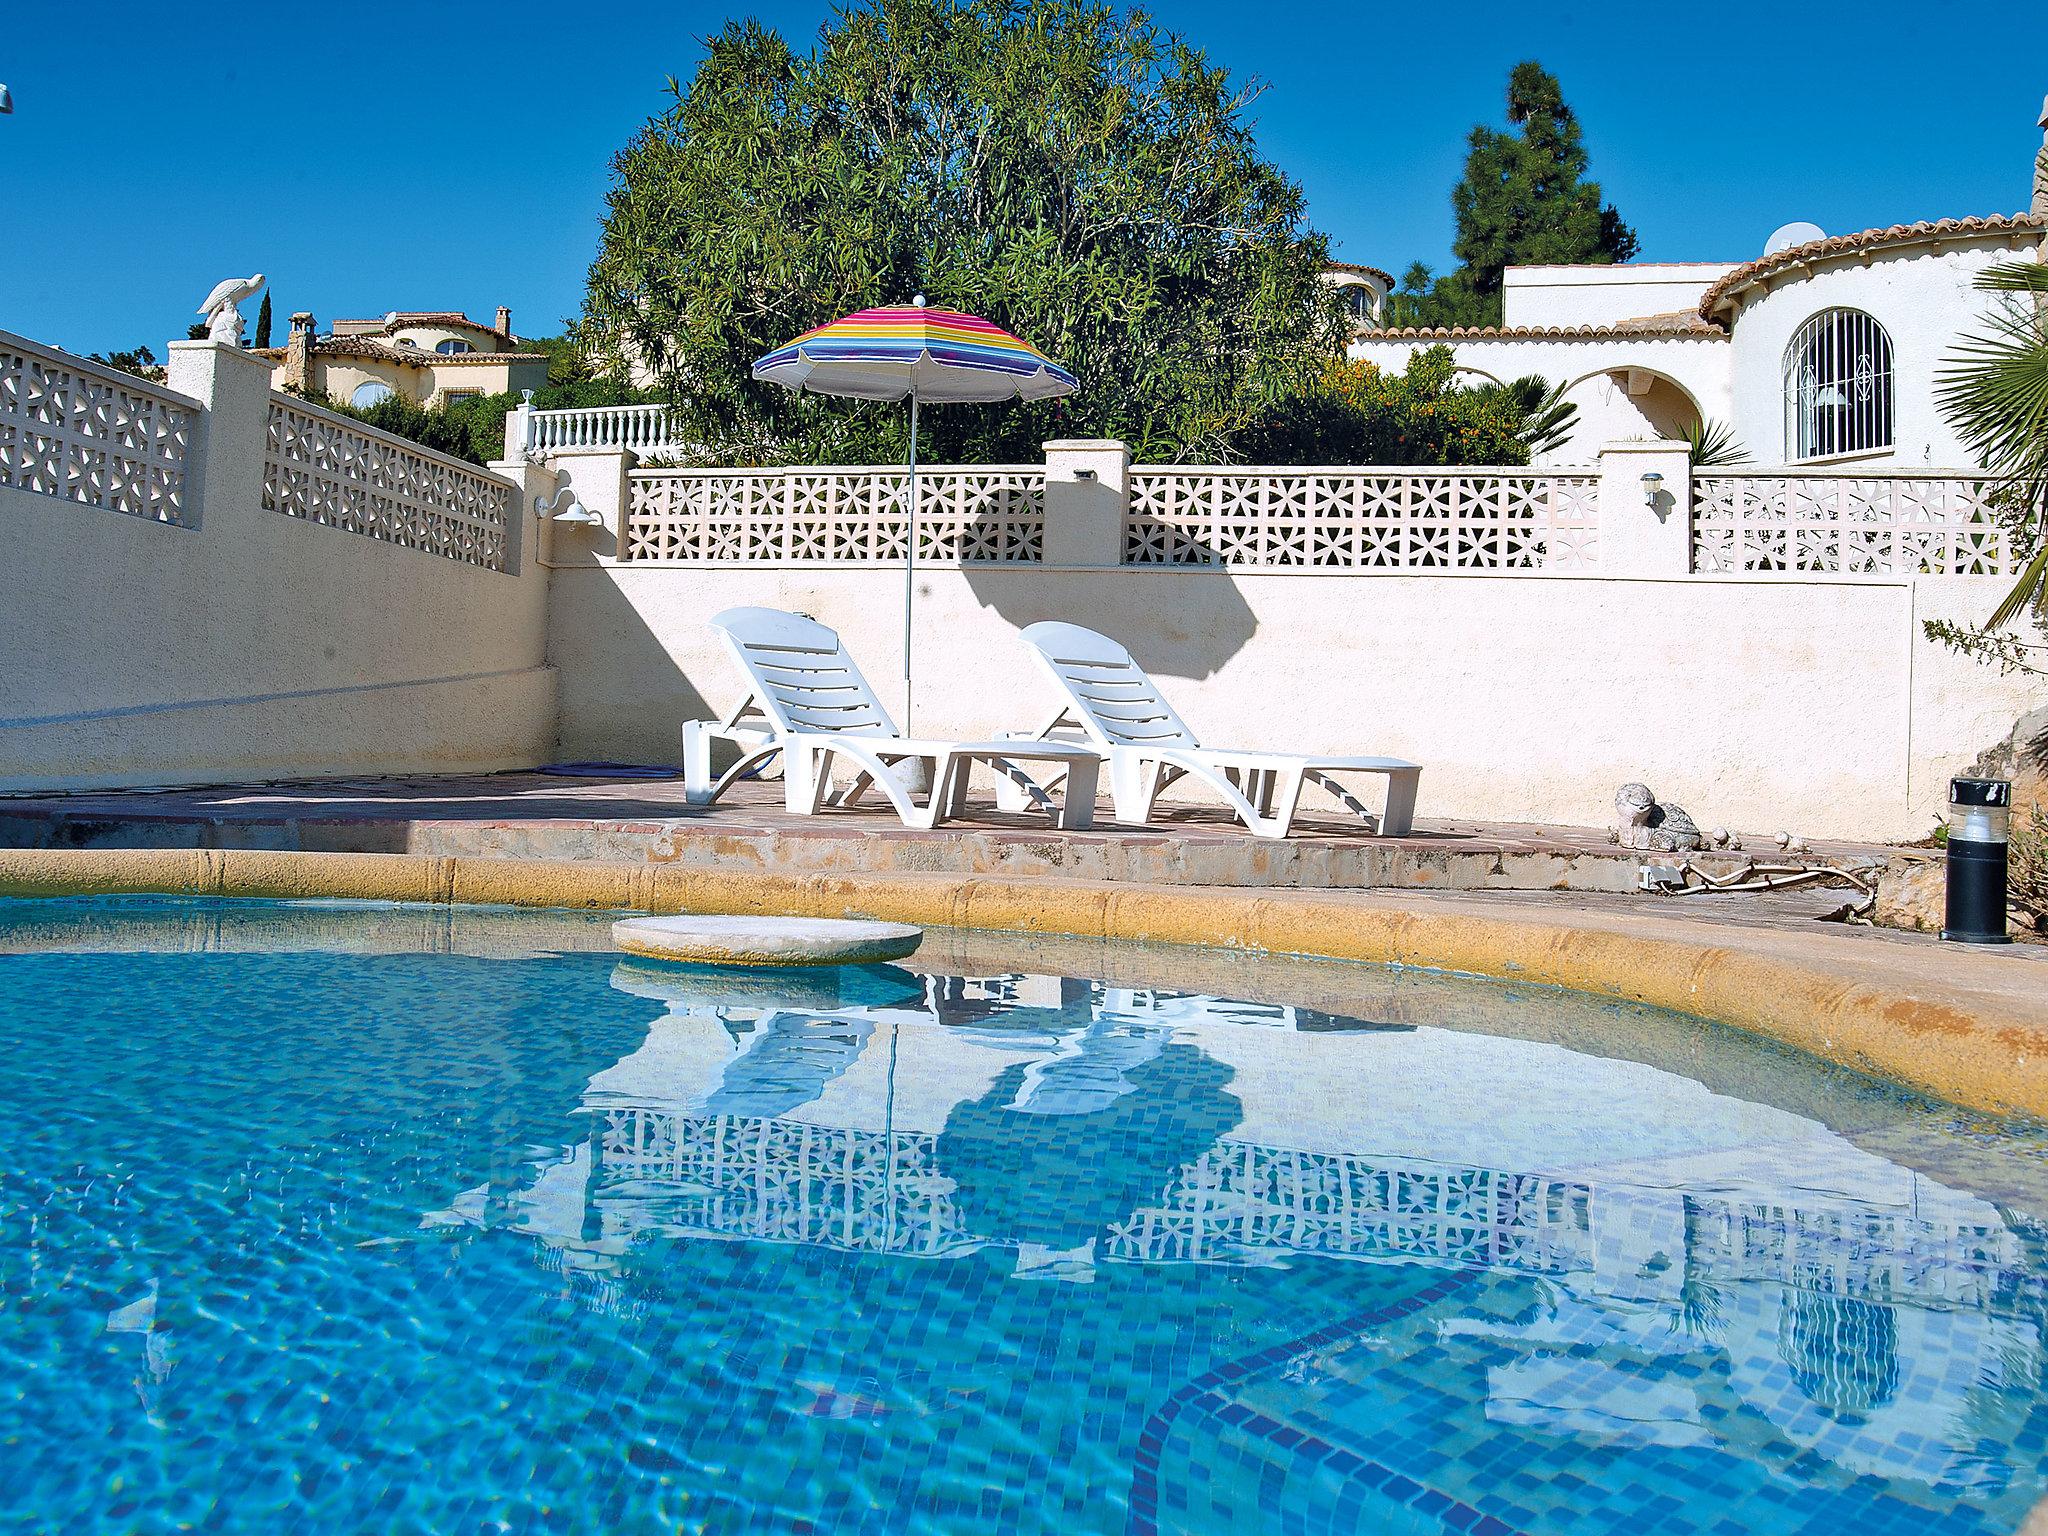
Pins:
<point x="2014" y="277"/>
<point x="1994" y="391"/>
<point x="1547" y="417"/>
<point x="2029" y="592"/>
<point x="1712" y="445"/>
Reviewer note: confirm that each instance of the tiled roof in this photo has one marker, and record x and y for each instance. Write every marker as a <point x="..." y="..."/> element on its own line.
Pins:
<point x="1361" y="269"/>
<point x="471" y="359"/>
<point x="356" y="346"/>
<point x="1679" y="323"/>
<point x="1723" y="293"/>
<point x="398" y="319"/>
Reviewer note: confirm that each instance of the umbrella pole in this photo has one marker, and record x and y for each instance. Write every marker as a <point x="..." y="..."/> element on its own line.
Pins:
<point x="910" y="564"/>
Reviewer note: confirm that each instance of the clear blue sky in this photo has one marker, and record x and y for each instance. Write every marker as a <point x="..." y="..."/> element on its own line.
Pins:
<point x="452" y="154"/>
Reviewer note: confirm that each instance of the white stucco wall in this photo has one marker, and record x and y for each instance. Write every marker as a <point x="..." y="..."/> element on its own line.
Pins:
<point x="1597" y="295"/>
<point x="334" y="378"/>
<point x="255" y="645"/>
<point x="1920" y="293"/>
<point x="1757" y="703"/>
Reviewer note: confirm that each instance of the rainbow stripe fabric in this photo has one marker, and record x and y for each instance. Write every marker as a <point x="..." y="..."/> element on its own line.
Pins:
<point x="901" y="349"/>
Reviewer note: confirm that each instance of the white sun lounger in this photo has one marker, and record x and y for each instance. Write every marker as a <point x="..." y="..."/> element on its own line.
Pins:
<point x="808" y="701"/>
<point x="1118" y="708"/>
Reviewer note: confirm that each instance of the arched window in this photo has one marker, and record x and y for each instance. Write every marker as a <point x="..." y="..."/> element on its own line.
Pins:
<point x="1361" y="303"/>
<point x="452" y="347"/>
<point x="1838" y="386"/>
<point x="370" y="394"/>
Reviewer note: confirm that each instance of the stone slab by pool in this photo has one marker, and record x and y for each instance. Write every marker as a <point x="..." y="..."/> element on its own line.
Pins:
<point x="717" y="939"/>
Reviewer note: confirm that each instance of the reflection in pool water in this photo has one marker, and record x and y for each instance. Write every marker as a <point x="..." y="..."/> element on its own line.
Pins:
<point x="555" y="1241"/>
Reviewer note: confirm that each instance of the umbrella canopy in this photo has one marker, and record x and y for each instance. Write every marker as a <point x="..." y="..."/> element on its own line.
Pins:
<point x="928" y="355"/>
<point x="924" y="355"/>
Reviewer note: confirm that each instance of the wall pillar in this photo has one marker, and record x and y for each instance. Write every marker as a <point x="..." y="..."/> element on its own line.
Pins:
<point x="1087" y="492"/>
<point x="1645" y="533"/>
<point x="516" y="421"/>
<point x="522" y="525"/>
<point x="232" y="431"/>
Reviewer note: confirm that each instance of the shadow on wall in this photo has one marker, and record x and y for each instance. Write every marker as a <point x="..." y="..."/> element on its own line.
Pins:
<point x="624" y="695"/>
<point x="1207" y="623"/>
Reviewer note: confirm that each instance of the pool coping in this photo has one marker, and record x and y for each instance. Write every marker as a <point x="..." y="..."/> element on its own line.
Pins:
<point x="1968" y="1026"/>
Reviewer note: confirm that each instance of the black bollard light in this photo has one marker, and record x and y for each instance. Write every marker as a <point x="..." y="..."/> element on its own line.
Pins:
<point x="1978" y="813"/>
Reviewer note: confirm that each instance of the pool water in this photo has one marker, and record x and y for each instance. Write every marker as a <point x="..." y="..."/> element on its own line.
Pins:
<point x="355" y="1220"/>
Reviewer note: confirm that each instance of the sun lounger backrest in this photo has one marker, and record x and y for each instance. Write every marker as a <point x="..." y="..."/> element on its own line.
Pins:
<point x="803" y="679"/>
<point x="1118" y="704"/>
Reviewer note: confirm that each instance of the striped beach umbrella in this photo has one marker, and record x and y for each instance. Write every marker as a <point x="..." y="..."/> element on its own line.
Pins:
<point x="926" y="356"/>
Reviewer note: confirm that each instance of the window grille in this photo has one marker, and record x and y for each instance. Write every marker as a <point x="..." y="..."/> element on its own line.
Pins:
<point x="1838" y="386"/>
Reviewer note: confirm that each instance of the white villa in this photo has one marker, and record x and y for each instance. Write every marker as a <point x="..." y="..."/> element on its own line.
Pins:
<point x="1822" y="351"/>
<point x="430" y="357"/>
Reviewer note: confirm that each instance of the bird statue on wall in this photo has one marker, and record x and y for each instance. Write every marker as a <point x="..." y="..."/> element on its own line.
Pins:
<point x="223" y="318"/>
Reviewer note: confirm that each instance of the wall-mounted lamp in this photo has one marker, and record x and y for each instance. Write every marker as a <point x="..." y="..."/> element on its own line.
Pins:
<point x="1084" y="474"/>
<point x="1653" y="483"/>
<point x="575" y="512"/>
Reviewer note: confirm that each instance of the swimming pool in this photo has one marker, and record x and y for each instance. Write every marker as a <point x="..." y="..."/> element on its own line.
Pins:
<point x="382" y="1218"/>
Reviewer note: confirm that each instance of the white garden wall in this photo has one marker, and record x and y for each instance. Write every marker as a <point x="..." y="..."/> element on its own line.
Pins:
<point x="1759" y="700"/>
<point x="212" y="583"/>
<point x="245" y="641"/>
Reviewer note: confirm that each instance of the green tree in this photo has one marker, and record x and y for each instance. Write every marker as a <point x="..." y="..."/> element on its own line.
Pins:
<point x="1408" y="304"/>
<point x="1523" y="200"/>
<point x="263" y="320"/>
<point x="1076" y="174"/>
<point x="140" y="361"/>
<point x="1360" y="413"/>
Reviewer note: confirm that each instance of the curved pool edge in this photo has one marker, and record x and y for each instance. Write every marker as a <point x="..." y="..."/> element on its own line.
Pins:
<point x="1968" y="1026"/>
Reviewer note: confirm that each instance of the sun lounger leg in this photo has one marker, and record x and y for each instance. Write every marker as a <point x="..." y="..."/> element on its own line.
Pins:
<point x="949" y="791"/>
<point x="806" y="780"/>
<point x="1133" y="785"/>
<point x="696" y="762"/>
<point x="1076" y="811"/>
<point x="1399" y="819"/>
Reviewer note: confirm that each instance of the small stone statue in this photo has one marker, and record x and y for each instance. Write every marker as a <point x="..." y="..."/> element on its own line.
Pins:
<point x="1640" y="822"/>
<point x="223" y="318"/>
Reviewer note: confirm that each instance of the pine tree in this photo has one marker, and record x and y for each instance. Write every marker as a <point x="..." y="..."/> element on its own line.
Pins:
<point x="263" y="321"/>
<point x="1524" y="199"/>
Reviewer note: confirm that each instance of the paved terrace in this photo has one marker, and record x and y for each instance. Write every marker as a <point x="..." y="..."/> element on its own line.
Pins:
<point x="537" y="815"/>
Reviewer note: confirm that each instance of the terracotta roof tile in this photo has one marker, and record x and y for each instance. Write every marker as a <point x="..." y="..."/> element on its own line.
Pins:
<point x="370" y="347"/>
<point x="1679" y="323"/>
<point x="398" y="319"/>
<point x="1361" y="269"/>
<point x="1723" y="293"/>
